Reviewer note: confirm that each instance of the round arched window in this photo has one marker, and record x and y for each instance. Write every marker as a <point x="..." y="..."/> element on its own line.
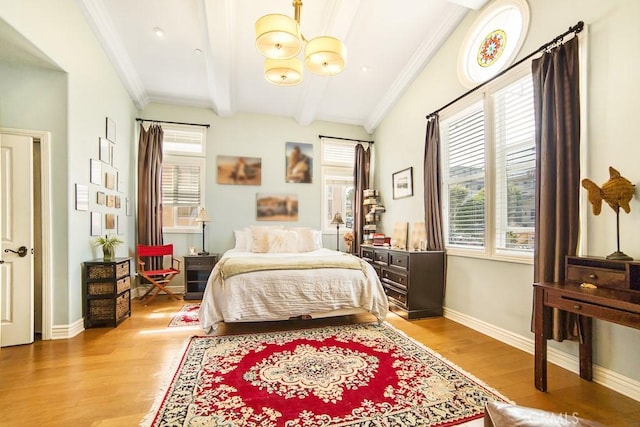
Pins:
<point x="493" y="41"/>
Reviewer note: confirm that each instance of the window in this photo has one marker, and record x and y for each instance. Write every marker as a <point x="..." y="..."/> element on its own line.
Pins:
<point x="183" y="172"/>
<point x="489" y="173"/>
<point x="338" y="159"/>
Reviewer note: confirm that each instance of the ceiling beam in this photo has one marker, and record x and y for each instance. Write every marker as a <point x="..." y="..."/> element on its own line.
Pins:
<point x="339" y="16"/>
<point x="102" y="25"/>
<point x="219" y="18"/>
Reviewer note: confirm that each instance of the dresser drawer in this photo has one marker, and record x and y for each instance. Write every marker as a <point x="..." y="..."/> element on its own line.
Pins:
<point x="367" y="254"/>
<point x="399" y="260"/>
<point x="597" y="276"/>
<point x="595" y="310"/>
<point x="200" y="262"/>
<point x="396" y="279"/>
<point x="381" y="257"/>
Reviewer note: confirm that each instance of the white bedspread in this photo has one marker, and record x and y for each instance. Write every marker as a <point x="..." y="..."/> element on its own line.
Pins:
<point x="282" y="294"/>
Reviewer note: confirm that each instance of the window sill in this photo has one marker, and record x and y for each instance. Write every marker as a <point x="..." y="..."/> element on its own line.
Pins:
<point x="182" y="230"/>
<point x="481" y="254"/>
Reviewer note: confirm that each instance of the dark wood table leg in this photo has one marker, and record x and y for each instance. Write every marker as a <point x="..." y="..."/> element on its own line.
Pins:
<point x="586" y="366"/>
<point x="540" y="355"/>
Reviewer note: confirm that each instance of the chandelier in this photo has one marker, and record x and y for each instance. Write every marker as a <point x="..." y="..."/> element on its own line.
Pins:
<point x="279" y="39"/>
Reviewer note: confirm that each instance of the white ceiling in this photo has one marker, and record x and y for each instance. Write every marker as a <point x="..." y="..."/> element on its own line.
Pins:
<point x="394" y="39"/>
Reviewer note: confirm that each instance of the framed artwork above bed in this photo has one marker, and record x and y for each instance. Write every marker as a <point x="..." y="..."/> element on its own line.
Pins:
<point x="276" y="207"/>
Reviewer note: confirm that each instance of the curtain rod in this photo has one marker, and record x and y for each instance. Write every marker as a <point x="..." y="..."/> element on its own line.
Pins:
<point x="138" y="119"/>
<point x="344" y="139"/>
<point x="575" y="30"/>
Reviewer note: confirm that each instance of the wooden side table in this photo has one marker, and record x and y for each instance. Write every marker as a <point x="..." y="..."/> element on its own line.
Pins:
<point x="197" y="269"/>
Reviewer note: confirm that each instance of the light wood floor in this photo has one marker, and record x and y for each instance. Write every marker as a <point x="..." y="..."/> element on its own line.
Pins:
<point x="110" y="376"/>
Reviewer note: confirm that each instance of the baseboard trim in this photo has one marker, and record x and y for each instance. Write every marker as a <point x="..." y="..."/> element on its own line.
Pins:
<point x="603" y="376"/>
<point x="63" y="332"/>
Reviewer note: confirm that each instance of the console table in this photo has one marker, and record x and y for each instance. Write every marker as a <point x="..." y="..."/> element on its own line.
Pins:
<point x="621" y="306"/>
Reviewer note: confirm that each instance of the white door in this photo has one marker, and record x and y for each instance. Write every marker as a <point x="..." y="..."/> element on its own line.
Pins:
<point x="16" y="232"/>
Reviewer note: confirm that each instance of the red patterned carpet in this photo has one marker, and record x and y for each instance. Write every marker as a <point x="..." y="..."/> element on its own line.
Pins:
<point x="187" y="316"/>
<point x="356" y="375"/>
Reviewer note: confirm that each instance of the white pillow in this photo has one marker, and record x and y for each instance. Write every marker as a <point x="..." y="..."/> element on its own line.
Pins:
<point x="281" y="241"/>
<point x="259" y="243"/>
<point x="317" y="239"/>
<point x="243" y="239"/>
<point x="305" y="240"/>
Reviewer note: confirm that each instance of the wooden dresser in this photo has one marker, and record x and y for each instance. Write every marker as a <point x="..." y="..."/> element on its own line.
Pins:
<point x="412" y="280"/>
<point x="106" y="292"/>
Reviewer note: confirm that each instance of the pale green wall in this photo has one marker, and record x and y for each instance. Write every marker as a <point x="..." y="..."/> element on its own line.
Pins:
<point x="75" y="115"/>
<point x="500" y="293"/>
<point x="254" y="135"/>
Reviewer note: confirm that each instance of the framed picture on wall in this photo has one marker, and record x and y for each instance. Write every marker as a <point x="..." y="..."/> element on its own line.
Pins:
<point x="105" y="150"/>
<point x="110" y="131"/>
<point x="82" y="197"/>
<point x="402" y="183"/>
<point x="299" y="162"/>
<point x="276" y="207"/>
<point x="239" y="170"/>
<point x="109" y="221"/>
<point x="96" y="223"/>
<point x="96" y="172"/>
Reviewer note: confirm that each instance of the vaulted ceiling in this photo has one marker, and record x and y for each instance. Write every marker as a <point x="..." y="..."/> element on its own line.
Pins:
<point x="206" y="56"/>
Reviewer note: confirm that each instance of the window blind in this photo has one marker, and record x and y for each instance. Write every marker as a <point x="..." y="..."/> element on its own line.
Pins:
<point x="465" y="177"/>
<point x="181" y="184"/>
<point x="514" y="127"/>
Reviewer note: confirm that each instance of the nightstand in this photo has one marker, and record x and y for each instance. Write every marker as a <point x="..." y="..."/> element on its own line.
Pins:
<point x="197" y="269"/>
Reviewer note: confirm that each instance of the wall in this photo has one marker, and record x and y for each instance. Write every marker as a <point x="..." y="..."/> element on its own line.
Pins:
<point x="232" y="207"/>
<point x="498" y="293"/>
<point x="75" y="115"/>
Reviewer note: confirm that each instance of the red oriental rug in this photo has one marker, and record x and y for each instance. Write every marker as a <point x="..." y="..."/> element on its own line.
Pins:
<point x="187" y="316"/>
<point x="356" y="375"/>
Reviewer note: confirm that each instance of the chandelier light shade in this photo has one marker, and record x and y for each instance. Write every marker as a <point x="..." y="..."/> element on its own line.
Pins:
<point x="283" y="72"/>
<point x="325" y="56"/>
<point x="279" y="39"/>
<point x="278" y="36"/>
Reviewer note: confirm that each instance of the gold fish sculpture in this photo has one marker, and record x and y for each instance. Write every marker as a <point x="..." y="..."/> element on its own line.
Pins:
<point x="617" y="192"/>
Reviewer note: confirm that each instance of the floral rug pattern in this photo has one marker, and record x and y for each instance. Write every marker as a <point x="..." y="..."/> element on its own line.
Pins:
<point x="355" y="375"/>
<point x="187" y="316"/>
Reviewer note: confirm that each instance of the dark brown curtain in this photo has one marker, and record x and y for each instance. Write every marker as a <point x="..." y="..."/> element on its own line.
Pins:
<point x="432" y="180"/>
<point x="150" y="186"/>
<point x="360" y="183"/>
<point x="557" y="114"/>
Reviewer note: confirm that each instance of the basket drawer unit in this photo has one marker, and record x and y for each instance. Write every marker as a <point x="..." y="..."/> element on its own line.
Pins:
<point x="106" y="292"/>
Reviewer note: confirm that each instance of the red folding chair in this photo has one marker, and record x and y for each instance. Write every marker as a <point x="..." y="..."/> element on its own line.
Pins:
<point x="160" y="276"/>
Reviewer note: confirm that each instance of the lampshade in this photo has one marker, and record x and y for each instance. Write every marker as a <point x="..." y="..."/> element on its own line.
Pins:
<point x="325" y="55"/>
<point x="283" y="72"/>
<point x="278" y="36"/>
<point x="337" y="219"/>
<point x="202" y="216"/>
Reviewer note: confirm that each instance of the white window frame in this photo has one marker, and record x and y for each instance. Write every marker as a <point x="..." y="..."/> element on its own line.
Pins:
<point x="335" y="170"/>
<point x="490" y="250"/>
<point x="187" y="157"/>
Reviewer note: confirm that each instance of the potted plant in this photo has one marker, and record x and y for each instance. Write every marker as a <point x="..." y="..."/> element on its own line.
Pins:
<point x="109" y="245"/>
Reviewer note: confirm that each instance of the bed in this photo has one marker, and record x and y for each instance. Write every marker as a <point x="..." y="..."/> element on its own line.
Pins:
<point x="280" y="281"/>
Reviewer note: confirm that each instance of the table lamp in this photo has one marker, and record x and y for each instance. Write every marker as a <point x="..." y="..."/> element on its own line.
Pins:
<point x="203" y="217"/>
<point x="337" y="220"/>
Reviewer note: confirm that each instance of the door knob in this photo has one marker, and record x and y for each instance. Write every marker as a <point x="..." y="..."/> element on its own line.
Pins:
<point x="22" y="251"/>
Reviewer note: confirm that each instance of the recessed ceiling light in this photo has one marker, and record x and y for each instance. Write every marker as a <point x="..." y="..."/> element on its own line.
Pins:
<point x="364" y="68"/>
<point x="159" y="32"/>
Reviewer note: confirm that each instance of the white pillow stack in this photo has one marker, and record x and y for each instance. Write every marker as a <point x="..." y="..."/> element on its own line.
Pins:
<point x="277" y="239"/>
